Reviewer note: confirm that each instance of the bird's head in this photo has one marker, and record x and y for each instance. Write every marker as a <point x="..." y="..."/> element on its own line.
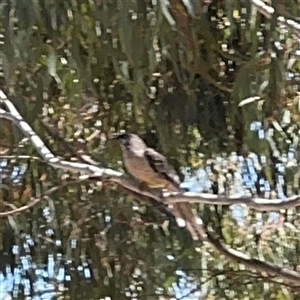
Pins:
<point x="130" y="141"/>
<point x="123" y="138"/>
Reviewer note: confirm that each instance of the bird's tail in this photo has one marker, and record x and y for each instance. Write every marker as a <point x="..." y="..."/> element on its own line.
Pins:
<point x="183" y="212"/>
<point x="185" y="216"/>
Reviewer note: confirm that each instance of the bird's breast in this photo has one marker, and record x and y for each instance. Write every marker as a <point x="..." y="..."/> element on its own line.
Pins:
<point x="138" y="167"/>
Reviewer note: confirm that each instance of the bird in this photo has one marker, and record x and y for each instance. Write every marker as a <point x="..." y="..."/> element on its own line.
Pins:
<point x="152" y="169"/>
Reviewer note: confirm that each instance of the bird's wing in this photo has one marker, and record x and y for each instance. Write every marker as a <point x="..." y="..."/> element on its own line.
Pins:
<point x="160" y="165"/>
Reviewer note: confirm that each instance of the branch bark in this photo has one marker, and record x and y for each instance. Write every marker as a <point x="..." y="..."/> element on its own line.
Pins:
<point x="258" y="204"/>
<point x="268" y="12"/>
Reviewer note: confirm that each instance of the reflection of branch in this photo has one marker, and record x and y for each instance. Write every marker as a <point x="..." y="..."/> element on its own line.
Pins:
<point x="290" y="276"/>
<point x="34" y="201"/>
<point x="113" y="176"/>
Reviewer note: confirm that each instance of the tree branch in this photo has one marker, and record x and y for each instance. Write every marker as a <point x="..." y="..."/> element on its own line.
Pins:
<point x="91" y="171"/>
<point x="268" y="12"/>
<point x="259" y="204"/>
<point x="287" y="275"/>
<point x="34" y="201"/>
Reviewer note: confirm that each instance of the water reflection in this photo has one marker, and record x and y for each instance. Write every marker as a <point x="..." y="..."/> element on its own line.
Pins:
<point x="44" y="267"/>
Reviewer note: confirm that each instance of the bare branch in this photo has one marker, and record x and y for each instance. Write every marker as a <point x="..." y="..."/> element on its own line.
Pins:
<point x="259" y="204"/>
<point x="20" y="157"/>
<point x="290" y="276"/>
<point x="34" y="201"/>
<point x="102" y="174"/>
<point x="268" y="12"/>
<point x="85" y="169"/>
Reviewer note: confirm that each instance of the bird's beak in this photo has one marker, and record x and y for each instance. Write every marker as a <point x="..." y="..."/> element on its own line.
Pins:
<point x="114" y="136"/>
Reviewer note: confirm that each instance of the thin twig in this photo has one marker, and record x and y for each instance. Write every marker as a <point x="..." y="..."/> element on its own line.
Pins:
<point x="88" y="170"/>
<point x="35" y="201"/>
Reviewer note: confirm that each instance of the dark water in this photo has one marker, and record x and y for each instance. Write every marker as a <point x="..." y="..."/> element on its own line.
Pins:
<point x="41" y="261"/>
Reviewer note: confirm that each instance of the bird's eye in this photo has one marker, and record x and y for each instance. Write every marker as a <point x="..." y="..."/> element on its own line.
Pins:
<point x="122" y="137"/>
